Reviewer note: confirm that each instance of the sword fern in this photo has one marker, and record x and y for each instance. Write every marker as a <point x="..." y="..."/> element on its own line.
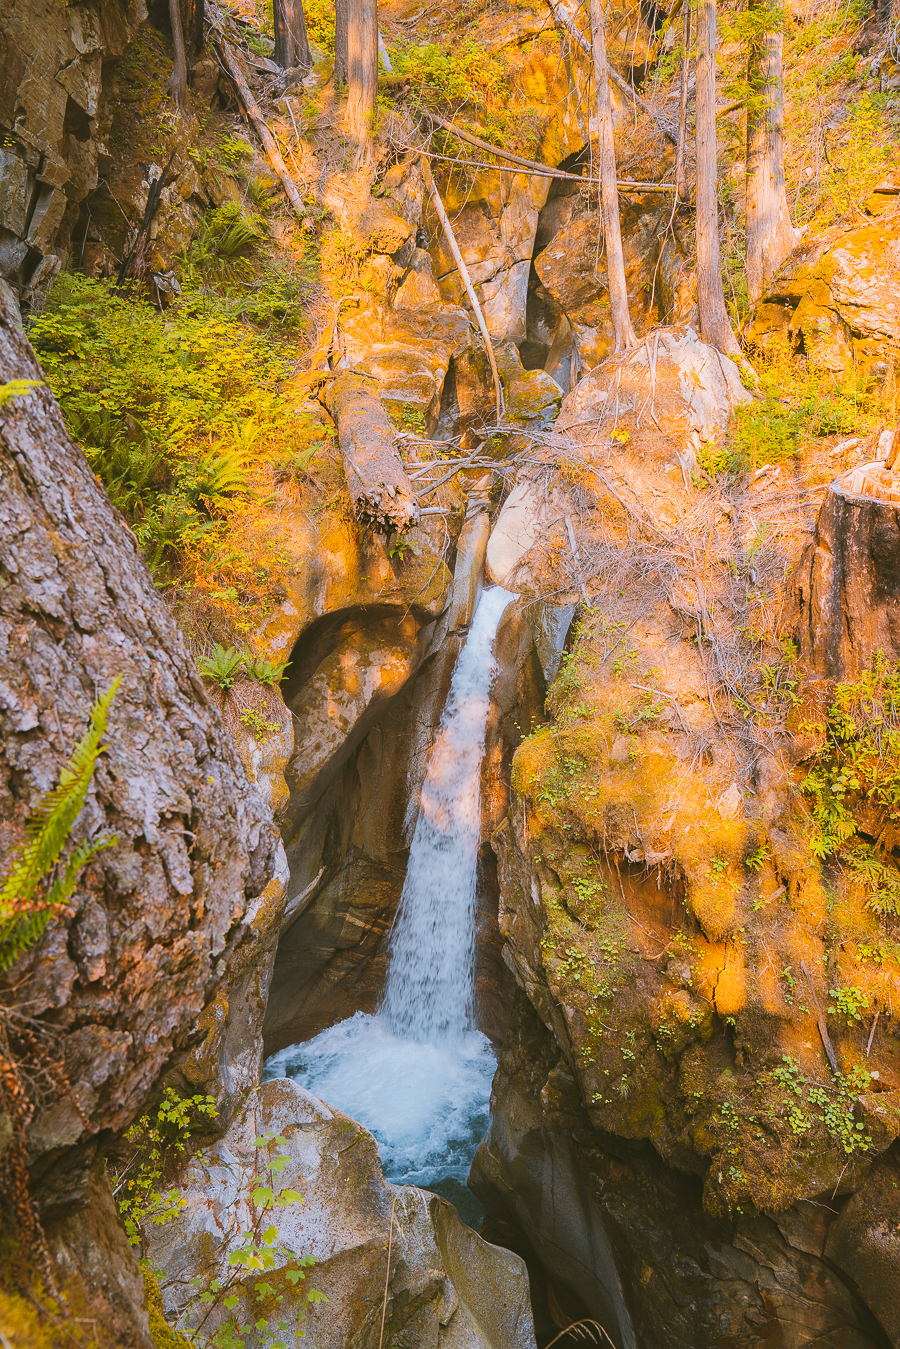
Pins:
<point x="40" y="882"/>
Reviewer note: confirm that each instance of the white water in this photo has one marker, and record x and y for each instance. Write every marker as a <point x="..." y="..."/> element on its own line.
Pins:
<point x="417" y="1073"/>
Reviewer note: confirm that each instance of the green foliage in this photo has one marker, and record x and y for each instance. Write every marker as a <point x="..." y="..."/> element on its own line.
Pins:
<point x="447" y="76"/>
<point x="258" y="727"/>
<point x="880" y="878"/>
<point x="226" y="663"/>
<point x="222" y="667"/>
<point x="158" y="1141"/>
<point x="860" y="758"/>
<point x="847" y="1002"/>
<point x="775" y="429"/>
<point x="830" y="1105"/>
<point x="320" y="23"/>
<point x="254" y="1303"/>
<point x="17" y="388"/>
<point x="36" y="863"/>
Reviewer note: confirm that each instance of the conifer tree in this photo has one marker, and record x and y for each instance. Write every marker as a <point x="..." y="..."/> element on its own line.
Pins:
<point x="770" y="235"/>
<point x="715" y="325"/>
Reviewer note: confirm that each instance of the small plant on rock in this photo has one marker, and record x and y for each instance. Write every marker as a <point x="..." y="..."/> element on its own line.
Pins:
<point x="222" y="667"/>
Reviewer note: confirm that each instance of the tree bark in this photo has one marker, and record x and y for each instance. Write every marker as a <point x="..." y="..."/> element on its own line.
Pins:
<point x="291" y="40"/>
<point x="340" y="43"/>
<point x="770" y="235"/>
<point x="155" y="920"/>
<point x="715" y="325"/>
<point x="381" y="493"/>
<point x="362" y="71"/>
<point x="681" y="188"/>
<point x="623" y="332"/>
<point x="178" y="81"/>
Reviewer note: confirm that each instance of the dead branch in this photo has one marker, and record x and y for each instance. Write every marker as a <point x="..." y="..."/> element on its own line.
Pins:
<point x="466" y="280"/>
<point x="254" y="116"/>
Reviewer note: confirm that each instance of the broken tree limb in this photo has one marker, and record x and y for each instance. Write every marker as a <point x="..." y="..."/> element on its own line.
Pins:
<point x="381" y="493"/>
<point x="255" y="117"/>
<point x="466" y="280"/>
<point x="532" y="165"/>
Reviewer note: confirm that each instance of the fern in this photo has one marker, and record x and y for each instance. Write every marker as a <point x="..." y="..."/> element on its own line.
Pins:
<point x="27" y="902"/>
<point x="222" y="667"/>
<point x="17" y="388"/>
<point x="265" y="671"/>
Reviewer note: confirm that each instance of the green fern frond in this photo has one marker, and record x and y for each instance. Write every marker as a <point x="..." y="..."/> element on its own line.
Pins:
<point x="23" y="913"/>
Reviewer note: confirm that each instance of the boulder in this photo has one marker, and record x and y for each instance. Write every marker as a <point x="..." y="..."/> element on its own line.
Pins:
<point x="381" y="1253"/>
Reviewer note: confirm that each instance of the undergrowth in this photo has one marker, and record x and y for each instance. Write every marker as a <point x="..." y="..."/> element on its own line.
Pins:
<point x="183" y="418"/>
<point x="858" y="766"/>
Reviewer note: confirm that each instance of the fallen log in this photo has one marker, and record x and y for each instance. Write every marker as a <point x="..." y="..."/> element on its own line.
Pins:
<point x="381" y="493"/>
<point x="254" y="116"/>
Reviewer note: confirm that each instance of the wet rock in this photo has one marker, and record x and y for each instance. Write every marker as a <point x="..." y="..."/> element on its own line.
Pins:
<point x="446" y="1287"/>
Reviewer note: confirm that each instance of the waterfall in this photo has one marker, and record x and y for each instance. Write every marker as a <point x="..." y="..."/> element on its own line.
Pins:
<point x="417" y="1073"/>
<point x="430" y="983"/>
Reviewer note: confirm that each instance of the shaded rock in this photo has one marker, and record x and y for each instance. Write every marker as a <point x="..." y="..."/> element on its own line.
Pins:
<point x="98" y="1270"/>
<point x="446" y="1286"/>
<point x="864" y="1242"/>
<point x="495" y="226"/>
<point x="529" y="513"/>
<point x="628" y="1238"/>
<point x="57" y="63"/>
<point x="845" y="594"/>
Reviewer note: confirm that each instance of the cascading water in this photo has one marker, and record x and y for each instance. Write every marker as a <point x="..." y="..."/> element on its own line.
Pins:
<point x="417" y="1073"/>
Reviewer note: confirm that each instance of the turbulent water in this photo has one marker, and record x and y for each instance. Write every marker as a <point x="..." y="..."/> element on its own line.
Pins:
<point x="417" y="1073"/>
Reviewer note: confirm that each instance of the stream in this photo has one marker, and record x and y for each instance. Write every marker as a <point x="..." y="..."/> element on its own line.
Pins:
<point x="418" y="1073"/>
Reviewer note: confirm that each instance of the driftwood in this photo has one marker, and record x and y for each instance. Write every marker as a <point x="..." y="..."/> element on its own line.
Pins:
<point x="381" y="493"/>
<point x="254" y="115"/>
<point x="466" y="280"/>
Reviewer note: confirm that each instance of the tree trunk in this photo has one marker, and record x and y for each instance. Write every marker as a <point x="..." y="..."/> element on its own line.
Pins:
<point x="770" y="235"/>
<point x="623" y="333"/>
<point x="128" y="965"/>
<point x="291" y="41"/>
<point x="715" y="325"/>
<point x="340" y="43"/>
<point x="362" y="71"/>
<point x="381" y="493"/>
<point x="178" y="82"/>
<point x="681" y="188"/>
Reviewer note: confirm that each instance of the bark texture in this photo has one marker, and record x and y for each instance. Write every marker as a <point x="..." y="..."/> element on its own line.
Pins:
<point x="846" y="593"/>
<point x="362" y="71"/>
<point x="381" y="493"/>
<point x="770" y="235"/>
<point x="178" y="80"/>
<point x="623" y="333"/>
<point x="125" y="972"/>
<point x="715" y="325"/>
<point x="291" y="40"/>
<point x="340" y="42"/>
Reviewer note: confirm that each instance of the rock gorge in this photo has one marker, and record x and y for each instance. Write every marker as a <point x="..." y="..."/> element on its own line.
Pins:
<point x="686" y="925"/>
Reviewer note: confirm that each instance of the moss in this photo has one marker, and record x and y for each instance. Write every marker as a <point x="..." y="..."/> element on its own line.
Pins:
<point x="163" y="1335"/>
